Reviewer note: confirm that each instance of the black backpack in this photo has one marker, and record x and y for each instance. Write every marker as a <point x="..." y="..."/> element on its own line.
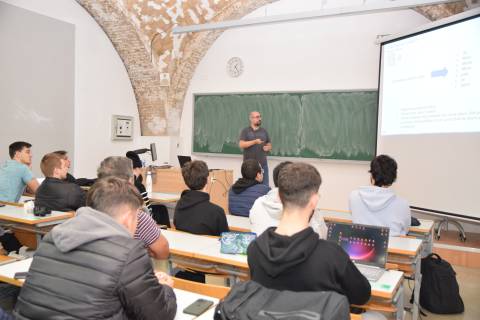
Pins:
<point x="439" y="292"/>
<point x="250" y="300"/>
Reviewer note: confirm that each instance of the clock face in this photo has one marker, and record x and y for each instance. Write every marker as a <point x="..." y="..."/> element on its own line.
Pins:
<point x="235" y="67"/>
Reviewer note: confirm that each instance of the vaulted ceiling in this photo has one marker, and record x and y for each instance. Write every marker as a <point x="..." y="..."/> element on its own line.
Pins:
<point x="141" y="32"/>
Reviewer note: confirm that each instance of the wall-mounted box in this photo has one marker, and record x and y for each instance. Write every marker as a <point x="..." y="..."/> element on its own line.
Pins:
<point x="122" y="127"/>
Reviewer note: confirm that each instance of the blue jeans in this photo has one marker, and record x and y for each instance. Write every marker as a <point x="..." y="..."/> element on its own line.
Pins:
<point x="265" y="174"/>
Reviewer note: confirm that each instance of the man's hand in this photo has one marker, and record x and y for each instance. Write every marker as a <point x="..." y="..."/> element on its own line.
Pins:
<point x="258" y="141"/>
<point x="164" y="279"/>
<point x="267" y="147"/>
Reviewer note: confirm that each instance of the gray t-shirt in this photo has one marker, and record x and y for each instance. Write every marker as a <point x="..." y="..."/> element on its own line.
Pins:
<point x="255" y="151"/>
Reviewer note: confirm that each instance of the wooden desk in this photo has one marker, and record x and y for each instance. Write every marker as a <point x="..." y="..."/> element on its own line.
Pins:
<point x="161" y="197"/>
<point x="171" y="181"/>
<point x="202" y="253"/>
<point x="15" y="217"/>
<point x="184" y="298"/>
<point x="7" y="271"/>
<point x="238" y="223"/>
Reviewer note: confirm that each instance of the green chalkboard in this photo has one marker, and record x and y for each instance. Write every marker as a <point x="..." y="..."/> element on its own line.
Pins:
<point x="326" y="125"/>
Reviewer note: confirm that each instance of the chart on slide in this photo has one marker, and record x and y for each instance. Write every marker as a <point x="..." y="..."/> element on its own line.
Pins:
<point x="431" y="82"/>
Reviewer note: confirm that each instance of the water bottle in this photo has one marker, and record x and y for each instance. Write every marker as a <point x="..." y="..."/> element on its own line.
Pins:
<point x="149" y="184"/>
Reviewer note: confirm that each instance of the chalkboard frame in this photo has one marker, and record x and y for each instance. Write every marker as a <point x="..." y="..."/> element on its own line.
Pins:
<point x="276" y="157"/>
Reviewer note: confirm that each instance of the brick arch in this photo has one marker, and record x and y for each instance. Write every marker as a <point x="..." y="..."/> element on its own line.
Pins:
<point x="141" y="32"/>
<point x="131" y="25"/>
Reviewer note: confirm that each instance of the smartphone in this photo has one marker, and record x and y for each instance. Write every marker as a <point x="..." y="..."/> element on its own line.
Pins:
<point x="20" y="275"/>
<point x="198" y="307"/>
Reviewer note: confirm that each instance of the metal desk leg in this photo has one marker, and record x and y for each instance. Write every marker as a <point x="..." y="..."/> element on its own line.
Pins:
<point x="170" y="267"/>
<point x="398" y="303"/>
<point x="418" y="283"/>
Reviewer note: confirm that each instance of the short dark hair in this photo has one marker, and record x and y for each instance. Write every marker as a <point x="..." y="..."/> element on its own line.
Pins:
<point x="384" y="170"/>
<point x="17" y="146"/>
<point x="250" y="169"/>
<point x="195" y="174"/>
<point x="49" y="162"/>
<point x="277" y="169"/>
<point x="120" y="167"/>
<point x="109" y="194"/>
<point x="296" y="184"/>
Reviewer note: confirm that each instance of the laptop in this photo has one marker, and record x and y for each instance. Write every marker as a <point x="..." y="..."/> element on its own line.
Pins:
<point x="183" y="160"/>
<point x="366" y="245"/>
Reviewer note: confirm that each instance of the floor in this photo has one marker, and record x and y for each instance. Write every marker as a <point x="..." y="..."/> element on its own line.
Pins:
<point x="469" y="282"/>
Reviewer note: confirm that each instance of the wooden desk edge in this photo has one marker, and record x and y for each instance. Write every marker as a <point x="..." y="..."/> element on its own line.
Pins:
<point x="8" y="280"/>
<point x="234" y="263"/>
<point x="381" y="294"/>
<point x="66" y="215"/>
<point x="238" y="229"/>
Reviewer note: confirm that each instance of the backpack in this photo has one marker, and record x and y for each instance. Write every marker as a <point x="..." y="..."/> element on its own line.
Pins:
<point x="439" y="292"/>
<point x="250" y="300"/>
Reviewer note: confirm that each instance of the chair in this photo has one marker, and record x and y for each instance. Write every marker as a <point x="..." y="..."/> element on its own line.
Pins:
<point x="210" y="290"/>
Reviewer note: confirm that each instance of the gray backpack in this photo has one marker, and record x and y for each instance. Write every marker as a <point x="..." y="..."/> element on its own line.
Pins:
<point x="249" y="300"/>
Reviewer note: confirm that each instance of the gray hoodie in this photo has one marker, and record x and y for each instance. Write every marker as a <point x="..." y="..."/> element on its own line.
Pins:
<point x="267" y="211"/>
<point x="381" y="207"/>
<point x="89" y="225"/>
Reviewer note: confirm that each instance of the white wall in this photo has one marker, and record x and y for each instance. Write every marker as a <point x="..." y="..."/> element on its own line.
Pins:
<point x="322" y="54"/>
<point x="102" y="88"/>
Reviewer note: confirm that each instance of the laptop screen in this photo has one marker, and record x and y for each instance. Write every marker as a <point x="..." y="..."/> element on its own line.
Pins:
<point x="364" y="244"/>
<point x="183" y="160"/>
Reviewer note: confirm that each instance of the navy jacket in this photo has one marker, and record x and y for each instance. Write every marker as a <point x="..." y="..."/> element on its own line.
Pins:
<point x="243" y="194"/>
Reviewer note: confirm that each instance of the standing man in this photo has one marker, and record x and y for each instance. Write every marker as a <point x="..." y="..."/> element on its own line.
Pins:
<point x="255" y="143"/>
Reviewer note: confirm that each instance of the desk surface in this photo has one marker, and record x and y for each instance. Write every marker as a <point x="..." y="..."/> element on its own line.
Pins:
<point x="185" y="298"/>
<point x="7" y="271"/>
<point x="345" y="216"/>
<point x="201" y="247"/>
<point x="16" y="214"/>
<point x="162" y="197"/>
<point x="238" y="223"/>
<point x="208" y="249"/>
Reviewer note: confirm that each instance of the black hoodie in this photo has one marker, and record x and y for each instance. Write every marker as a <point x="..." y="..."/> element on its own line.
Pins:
<point x="303" y="262"/>
<point x="195" y="213"/>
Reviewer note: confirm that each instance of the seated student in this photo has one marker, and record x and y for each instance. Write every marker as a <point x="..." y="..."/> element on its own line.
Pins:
<point x="267" y="210"/>
<point x="291" y="256"/>
<point x="15" y="174"/>
<point x="90" y="267"/>
<point x="377" y="204"/>
<point x="147" y="230"/>
<point x="55" y="193"/>
<point x="247" y="189"/>
<point x="194" y="212"/>
<point x="159" y="211"/>
<point x="80" y="181"/>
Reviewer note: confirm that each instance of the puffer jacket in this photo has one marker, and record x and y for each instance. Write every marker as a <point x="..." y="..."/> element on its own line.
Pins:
<point x="90" y="267"/>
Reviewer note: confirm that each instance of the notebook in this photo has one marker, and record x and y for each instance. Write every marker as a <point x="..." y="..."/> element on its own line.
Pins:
<point x="366" y="245"/>
<point x="236" y="242"/>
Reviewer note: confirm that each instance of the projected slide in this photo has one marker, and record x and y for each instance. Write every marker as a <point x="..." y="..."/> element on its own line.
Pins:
<point x="431" y="82"/>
